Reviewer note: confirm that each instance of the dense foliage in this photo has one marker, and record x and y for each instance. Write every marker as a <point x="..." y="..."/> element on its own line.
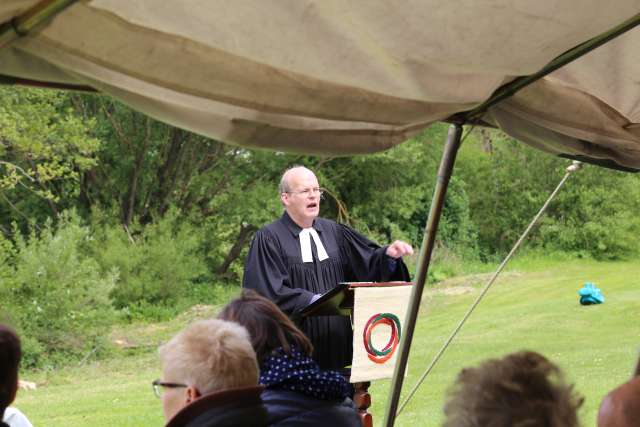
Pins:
<point x="107" y="214"/>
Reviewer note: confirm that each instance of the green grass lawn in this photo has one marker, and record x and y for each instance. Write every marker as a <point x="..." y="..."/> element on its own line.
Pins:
<point x="534" y="306"/>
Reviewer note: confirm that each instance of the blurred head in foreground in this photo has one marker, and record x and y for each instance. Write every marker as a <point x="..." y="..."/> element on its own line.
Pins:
<point x="10" y="354"/>
<point x="523" y="389"/>
<point x="621" y="407"/>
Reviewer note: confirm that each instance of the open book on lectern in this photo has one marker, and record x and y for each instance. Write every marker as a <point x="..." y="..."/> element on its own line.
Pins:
<point x="339" y="300"/>
<point x="335" y="302"/>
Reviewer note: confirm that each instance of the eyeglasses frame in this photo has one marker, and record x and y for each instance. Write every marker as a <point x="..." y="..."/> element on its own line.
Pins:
<point x="157" y="384"/>
<point x="307" y="191"/>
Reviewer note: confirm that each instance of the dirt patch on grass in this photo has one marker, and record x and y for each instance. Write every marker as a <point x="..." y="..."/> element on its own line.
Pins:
<point x="466" y="284"/>
<point x="476" y="279"/>
<point x="455" y="290"/>
<point x="198" y="312"/>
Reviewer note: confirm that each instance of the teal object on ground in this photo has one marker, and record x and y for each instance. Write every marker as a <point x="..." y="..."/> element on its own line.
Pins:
<point x="590" y="294"/>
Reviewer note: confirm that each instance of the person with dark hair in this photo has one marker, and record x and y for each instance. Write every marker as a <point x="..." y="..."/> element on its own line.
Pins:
<point x="521" y="389"/>
<point x="621" y="407"/>
<point x="295" y="259"/>
<point x="10" y="355"/>
<point x="298" y="392"/>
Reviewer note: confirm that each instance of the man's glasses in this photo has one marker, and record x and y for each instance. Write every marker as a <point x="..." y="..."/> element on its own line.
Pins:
<point x="309" y="191"/>
<point x="159" y="386"/>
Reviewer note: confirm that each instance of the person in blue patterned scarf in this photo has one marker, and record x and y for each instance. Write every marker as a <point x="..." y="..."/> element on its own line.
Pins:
<point x="298" y="392"/>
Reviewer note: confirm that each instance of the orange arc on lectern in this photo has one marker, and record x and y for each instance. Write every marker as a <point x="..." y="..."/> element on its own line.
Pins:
<point x="381" y="356"/>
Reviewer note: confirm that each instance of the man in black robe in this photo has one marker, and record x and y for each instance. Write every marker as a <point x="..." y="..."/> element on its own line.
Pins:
<point x="295" y="259"/>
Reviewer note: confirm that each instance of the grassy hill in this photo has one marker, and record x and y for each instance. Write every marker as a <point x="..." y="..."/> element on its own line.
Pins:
<point x="533" y="306"/>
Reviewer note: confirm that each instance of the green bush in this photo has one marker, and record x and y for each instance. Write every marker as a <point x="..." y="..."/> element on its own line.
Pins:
<point x="157" y="267"/>
<point x="57" y="296"/>
<point x="593" y="215"/>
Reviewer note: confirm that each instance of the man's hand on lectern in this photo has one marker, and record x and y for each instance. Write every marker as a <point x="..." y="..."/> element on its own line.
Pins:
<point x="398" y="249"/>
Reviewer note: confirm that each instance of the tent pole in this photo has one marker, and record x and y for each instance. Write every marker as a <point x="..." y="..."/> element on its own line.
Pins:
<point x="428" y="241"/>
<point x="444" y="174"/>
<point x="30" y="19"/>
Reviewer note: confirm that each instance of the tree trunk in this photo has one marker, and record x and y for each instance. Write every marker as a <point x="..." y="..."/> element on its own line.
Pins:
<point x="246" y="232"/>
<point x="135" y="175"/>
<point x="486" y="141"/>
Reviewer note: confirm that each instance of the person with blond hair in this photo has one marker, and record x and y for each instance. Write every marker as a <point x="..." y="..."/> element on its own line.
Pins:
<point x="210" y="377"/>
<point x="522" y="389"/>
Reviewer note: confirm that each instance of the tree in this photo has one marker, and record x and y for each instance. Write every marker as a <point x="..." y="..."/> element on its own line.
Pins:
<point x="44" y="147"/>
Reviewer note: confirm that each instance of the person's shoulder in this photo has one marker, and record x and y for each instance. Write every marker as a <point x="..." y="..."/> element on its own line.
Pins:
<point x="14" y="417"/>
<point x="272" y="224"/>
<point x="325" y="221"/>
<point x="270" y="229"/>
<point x="329" y="224"/>
<point x="291" y="408"/>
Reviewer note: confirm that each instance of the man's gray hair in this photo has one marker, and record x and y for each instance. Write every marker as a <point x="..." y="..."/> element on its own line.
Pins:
<point x="211" y="355"/>
<point x="284" y="187"/>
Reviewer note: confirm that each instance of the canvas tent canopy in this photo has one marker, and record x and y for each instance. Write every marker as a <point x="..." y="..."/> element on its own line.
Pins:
<point x="346" y="77"/>
<point x="337" y="77"/>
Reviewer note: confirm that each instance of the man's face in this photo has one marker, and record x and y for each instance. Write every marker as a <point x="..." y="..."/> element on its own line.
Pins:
<point x="173" y="399"/>
<point x="302" y="203"/>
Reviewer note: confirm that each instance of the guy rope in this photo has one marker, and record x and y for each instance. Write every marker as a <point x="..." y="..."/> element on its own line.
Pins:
<point x="575" y="165"/>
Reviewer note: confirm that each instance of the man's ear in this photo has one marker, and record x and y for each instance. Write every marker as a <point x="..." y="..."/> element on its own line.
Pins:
<point x="192" y="394"/>
<point x="284" y="198"/>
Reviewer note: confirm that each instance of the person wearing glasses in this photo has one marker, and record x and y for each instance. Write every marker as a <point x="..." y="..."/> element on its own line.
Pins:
<point x="299" y="257"/>
<point x="210" y="377"/>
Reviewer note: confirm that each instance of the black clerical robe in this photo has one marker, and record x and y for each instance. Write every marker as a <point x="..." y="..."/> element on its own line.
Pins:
<point x="274" y="268"/>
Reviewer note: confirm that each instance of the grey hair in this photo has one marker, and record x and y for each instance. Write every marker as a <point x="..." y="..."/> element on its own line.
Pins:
<point x="284" y="187"/>
<point x="211" y="355"/>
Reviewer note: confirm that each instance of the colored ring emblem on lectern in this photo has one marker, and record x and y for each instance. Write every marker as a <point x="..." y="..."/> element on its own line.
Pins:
<point x="381" y="356"/>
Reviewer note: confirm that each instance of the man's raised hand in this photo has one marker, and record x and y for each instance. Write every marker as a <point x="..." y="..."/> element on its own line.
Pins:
<point x="398" y="249"/>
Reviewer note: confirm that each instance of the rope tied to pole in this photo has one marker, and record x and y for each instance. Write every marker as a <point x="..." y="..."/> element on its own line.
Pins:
<point x="575" y="166"/>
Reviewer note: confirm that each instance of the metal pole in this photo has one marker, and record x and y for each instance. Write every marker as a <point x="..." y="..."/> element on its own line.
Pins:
<point x="428" y="241"/>
<point x="32" y="18"/>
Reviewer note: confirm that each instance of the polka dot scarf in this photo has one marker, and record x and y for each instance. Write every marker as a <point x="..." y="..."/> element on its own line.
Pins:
<point x="300" y="373"/>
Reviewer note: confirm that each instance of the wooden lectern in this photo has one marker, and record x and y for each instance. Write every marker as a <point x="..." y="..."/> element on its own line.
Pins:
<point x="339" y="302"/>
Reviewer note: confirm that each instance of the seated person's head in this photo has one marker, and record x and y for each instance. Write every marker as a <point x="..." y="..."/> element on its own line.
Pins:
<point x="268" y="326"/>
<point x="621" y="407"/>
<point x="10" y="354"/>
<point x="207" y="356"/>
<point x="522" y="389"/>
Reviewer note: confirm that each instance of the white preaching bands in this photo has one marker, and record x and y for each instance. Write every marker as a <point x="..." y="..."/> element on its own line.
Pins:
<point x="305" y="245"/>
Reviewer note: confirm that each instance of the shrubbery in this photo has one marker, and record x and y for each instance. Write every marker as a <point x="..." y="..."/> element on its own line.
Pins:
<point x="165" y="216"/>
<point x="594" y="215"/>
<point x="64" y="286"/>
<point x="156" y="265"/>
<point x="55" y="294"/>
